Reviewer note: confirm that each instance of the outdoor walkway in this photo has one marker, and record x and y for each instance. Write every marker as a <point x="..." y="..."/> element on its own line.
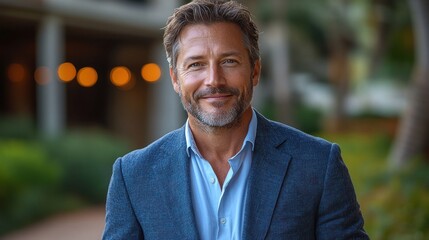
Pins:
<point x="86" y="224"/>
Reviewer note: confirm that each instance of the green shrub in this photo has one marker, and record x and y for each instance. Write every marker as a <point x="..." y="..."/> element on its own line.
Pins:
<point x="398" y="205"/>
<point x="20" y="127"/>
<point x="304" y="117"/>
<point x="27" y="183"/>
<point x="307" y="118"/>
<point x="40" y="177"/>
<point x="87" y="159"/>
<point x="395" y="204"/>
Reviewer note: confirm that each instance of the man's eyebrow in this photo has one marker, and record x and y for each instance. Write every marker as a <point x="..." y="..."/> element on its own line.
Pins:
<point x="231" y="53"/>
<point x="225" y="54"/>
<point x="192" y="58"/>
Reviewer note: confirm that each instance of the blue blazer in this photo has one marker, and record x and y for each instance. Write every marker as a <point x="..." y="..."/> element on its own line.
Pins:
<point x="298" y="188"/>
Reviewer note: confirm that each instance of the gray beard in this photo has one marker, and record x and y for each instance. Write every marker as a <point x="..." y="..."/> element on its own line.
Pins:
<point x="225" y="119"/>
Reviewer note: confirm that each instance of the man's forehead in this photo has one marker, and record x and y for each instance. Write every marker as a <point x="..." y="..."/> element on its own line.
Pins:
<point x="209" y="29"/>
<point x="226" y="37"/>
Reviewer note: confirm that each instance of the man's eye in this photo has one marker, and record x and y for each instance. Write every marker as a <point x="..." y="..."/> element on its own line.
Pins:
<point x="230" y="61"/>
<point x="194" y="65"/>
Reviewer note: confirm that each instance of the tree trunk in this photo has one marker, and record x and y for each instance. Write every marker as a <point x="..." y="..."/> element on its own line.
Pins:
<point x="279" y="70"/>
<point x="382" y="8"/>
<point x="339" y="75"/>
<point x="413" y="131"/>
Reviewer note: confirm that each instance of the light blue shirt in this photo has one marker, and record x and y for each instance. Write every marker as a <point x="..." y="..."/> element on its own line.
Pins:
<point x="220" y="212"/>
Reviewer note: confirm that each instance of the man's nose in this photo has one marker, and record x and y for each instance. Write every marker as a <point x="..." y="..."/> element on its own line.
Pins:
<point x="215" y="76"/>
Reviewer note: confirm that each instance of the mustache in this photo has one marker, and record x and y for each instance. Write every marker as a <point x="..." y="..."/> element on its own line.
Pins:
<point x="214" y="90"/>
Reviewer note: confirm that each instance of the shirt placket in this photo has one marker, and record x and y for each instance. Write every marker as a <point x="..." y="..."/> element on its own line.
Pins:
<point x="223" y="216"/>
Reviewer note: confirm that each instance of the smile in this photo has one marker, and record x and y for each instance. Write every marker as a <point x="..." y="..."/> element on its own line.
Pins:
<point x="216" y="96"/>
<point x="216" y="99"/>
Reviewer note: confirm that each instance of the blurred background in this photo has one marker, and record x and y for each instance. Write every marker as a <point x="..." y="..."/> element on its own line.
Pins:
<point x="82" y="82"/>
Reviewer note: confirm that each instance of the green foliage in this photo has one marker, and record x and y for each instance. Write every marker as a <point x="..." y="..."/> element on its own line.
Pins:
<point x="308" y="119"/>
<point x="395" y="204"/>
<point x="399" y="204"/>
<point x="87" y="159"/>
<point x="27" y="182"/>
<point x="400" y="50"/>
<point x="39" y="177"/>
<point x="304" y="117"/>
<point x="16" y="127"/>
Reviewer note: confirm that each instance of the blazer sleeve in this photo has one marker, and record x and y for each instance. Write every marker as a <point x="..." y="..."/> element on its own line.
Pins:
<point x="339" y="215"/>
<point x="121" y="222"/>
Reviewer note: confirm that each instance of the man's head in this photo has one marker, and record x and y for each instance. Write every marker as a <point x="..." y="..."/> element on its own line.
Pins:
<point x="212" y="48"/>
<point x="208" y="12"/>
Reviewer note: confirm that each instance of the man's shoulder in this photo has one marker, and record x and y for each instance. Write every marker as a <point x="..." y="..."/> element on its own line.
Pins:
<point x="287" y="133"/>
<point x="158" y="149"/>
<point x="304" y="148"/>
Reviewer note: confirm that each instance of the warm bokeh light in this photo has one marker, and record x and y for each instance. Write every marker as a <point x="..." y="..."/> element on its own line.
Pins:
<point x="120" y="76"/>
<point x="151" y="72"/>
<point x="42" y="75"/>
<point x="16" y="72"/>
<point x="66" y="72"/>
<point x="87" y="77"/>
<point x="130" y="85"/>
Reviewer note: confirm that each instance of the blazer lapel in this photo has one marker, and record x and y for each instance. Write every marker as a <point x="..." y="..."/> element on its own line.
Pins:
<point x="177" y="190"/>
<point x="266" y="177"/>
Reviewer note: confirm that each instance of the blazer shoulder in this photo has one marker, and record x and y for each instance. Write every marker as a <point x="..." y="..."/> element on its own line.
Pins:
<point x="283" y="133"/>
<point x="162" y="148"/>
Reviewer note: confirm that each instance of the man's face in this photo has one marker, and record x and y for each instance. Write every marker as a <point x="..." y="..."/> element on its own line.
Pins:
<point x="214" y="76"/>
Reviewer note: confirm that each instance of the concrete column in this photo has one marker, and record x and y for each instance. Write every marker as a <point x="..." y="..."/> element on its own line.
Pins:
<point x="51" y="93"/>
<point x="166" y="111"/>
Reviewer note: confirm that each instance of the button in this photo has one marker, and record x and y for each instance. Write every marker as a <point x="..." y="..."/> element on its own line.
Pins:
<point x="212" y="180"/>
<point x="223" y="220"/>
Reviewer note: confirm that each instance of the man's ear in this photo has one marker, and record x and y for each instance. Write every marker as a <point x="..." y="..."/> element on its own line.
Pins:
<point x="174" y="80"/>
<point x="256" y="73"/>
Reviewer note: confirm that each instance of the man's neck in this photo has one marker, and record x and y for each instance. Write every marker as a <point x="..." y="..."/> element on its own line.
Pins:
<point x="220" y="143"/>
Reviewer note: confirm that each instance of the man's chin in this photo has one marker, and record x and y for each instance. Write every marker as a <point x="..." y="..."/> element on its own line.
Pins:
<point x="218" y="119"/>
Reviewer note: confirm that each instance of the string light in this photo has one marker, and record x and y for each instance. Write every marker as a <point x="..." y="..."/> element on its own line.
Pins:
<point x="151" y="72"/>
<point x="120" y="76"/>
<point x="87" y="77"/>
<point x="66" y="72"/>
<point x="16" y="72"/>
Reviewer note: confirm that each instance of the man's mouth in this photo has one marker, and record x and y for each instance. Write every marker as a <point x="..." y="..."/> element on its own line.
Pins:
<point x="216" y="93"/>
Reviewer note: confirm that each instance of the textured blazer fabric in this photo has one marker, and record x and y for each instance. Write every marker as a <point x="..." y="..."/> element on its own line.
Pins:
<point x="298" y="188"/>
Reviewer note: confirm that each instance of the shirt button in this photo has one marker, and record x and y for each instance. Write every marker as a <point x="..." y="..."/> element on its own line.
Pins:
<point x="223" y="220"/>
<point x="212" y="180"/>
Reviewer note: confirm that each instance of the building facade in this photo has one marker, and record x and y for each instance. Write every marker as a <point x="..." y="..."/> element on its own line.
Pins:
<point x="88" y="63"/>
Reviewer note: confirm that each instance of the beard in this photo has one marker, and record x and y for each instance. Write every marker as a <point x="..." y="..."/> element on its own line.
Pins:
<point x="226" y="118"/>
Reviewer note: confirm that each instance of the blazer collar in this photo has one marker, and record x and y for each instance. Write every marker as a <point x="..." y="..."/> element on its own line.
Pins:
<point x="268" y="170"/>
<point x="266" y="177"/>
<point x="178" y="187"/>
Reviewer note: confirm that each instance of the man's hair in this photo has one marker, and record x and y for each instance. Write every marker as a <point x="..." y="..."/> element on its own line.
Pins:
<point x="208" y="12"/>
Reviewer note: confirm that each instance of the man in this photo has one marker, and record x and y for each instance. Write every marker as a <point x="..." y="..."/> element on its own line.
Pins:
<point x="228" y="173"/>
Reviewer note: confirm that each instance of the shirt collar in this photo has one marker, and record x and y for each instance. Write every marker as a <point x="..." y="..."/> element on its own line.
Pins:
<point x="250" y="136"/>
